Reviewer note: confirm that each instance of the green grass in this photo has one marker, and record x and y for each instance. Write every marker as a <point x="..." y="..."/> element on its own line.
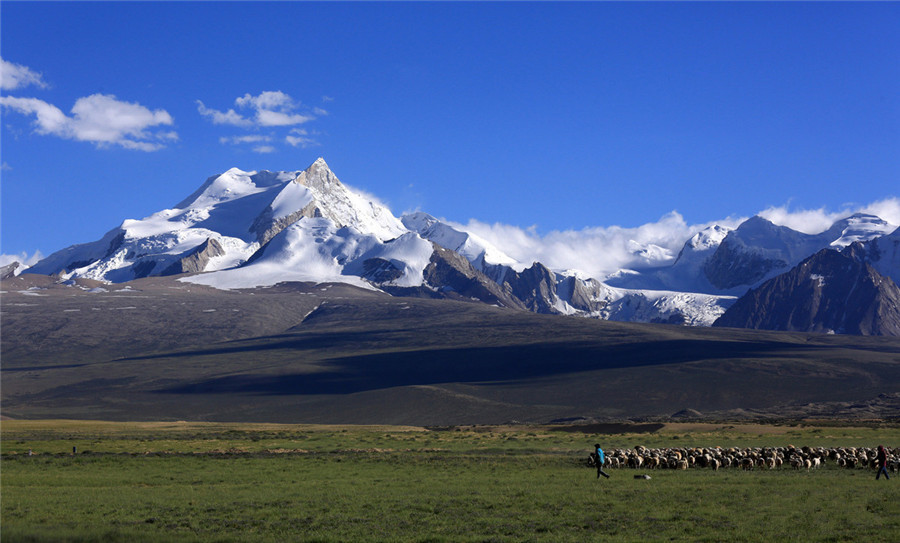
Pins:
<point x="234" y="483"/>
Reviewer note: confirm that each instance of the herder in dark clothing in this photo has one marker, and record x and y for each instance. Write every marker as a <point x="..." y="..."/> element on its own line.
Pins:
<point x="881" y="462"/>
<point x="599" y="458"/>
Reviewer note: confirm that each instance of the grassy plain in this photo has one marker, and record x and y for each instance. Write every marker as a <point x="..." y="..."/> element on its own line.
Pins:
<point x="268" y="482"/>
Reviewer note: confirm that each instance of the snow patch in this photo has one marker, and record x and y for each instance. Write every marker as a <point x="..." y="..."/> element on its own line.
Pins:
<point x="820" y="279"/>
<point x="475" y="249"/>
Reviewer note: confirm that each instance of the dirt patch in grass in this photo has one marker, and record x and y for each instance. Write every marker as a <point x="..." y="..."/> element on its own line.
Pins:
<point x="610" y="428"/>
<point x="705" y="427"/>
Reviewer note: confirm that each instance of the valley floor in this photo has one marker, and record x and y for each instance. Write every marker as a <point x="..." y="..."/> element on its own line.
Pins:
<point x="90" y="481"/>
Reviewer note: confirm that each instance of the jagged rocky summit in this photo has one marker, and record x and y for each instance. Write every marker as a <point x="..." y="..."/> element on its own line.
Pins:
<point x="248" y="229"/>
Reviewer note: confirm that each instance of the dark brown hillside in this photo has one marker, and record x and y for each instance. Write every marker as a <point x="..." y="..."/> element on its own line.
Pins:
<point x="160" y="349"/>
<point x="830" y="291"/>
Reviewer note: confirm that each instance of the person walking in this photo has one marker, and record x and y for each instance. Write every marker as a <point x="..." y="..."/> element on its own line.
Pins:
<point x="881" y="462"/>
<point x="599" y="459"/>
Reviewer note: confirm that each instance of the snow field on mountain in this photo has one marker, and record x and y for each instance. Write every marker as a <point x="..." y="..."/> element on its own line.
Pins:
<point x="409" y="253"/>
<point x="475" y="249"/>
<point x="317" y="250"/>
<point x="298" y="253"/>
<point x="860" y="227"/>
<point x="647" y="306"/>
<point x="292" y="197"/>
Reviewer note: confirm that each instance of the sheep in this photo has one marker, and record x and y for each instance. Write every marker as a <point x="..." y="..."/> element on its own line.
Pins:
<point x="771" y="458"/>
<point x="635" y="461"/>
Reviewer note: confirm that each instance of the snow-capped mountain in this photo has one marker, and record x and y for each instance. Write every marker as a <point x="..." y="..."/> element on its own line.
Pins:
<point x="758" y="249"/>
<point x="857" y="227"/>
<point x="306" y="223"/>
<point x="246" y="229"/>
<point x="685" y="274"/>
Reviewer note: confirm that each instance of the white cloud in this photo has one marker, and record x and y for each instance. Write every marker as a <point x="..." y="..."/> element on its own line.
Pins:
<point x="301" y="139"/>
<point x="272" y="110"/>
<point x="888" y="209"/>
<point x="219" y="117"/>
<point x="277" y="118"/>
<point x="269" y="108"/>
<point x="599" y="251"/>
<point x="237" y="140"/>
<point x="50" y="119"/>
<point x="809" y="221"/>
<point x="14" y="76"/>
<point x="266" y="100"/>
<point x="5" y="167"/>
<point x="100" y="119"/>
<point x="22" y="258"/>
<point x="814" y="221"/>
<point x="596" y="251"/>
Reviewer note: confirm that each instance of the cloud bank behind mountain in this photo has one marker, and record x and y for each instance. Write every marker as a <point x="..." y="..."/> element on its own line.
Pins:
<point x="603" y="250"/>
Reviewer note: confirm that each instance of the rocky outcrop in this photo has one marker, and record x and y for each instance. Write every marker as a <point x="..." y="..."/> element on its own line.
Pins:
<point x="266" y="228"/>
<point x="9" y="270"/>
<point x="451" y="272"/>
<point x="379" y="270"/>
<point x="583" y="295"/>
<point x="535" y="287"/>
<point x="447" y="275"/>
<point x="144" y="268"/>
<point x="197" y="259"/>
<point x="830" y="292"/>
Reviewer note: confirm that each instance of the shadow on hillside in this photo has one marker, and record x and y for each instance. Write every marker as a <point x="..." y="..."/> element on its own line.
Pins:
<point x="356" y="340"/>
<point x="487" y="366"/>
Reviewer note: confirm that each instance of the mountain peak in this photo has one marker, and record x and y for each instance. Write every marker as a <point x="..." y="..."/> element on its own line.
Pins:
<point x="758" y="223"/>
<point x="857" y="227"/>
<point x="318" y="176"/>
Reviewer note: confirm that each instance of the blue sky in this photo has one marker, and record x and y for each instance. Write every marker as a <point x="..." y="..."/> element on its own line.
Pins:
<point x="538" y="119"/>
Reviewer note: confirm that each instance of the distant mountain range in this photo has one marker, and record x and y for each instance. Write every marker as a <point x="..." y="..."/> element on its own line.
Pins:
<point x="251" y="229"/>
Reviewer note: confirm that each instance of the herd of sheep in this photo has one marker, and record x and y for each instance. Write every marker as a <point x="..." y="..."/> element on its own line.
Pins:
<point x="747" y="458"/>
